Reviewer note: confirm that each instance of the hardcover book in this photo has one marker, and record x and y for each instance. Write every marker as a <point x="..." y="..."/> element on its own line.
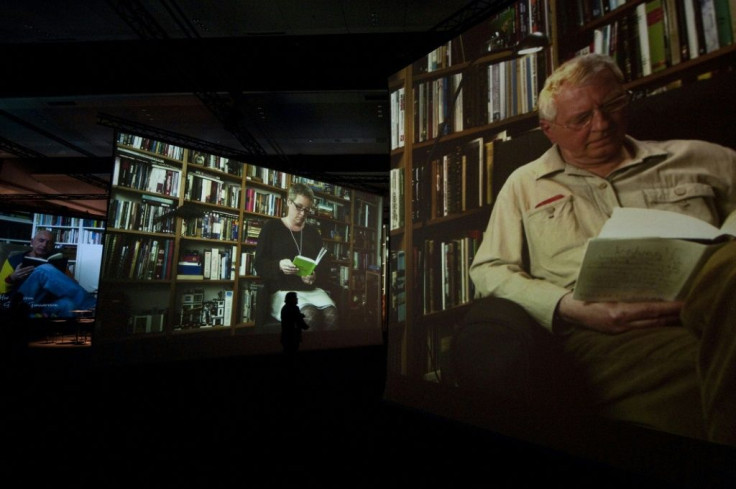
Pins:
<point x="56" y="260"/>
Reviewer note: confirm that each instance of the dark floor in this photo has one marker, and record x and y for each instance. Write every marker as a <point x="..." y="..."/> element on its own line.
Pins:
<point x="247" y="421"/>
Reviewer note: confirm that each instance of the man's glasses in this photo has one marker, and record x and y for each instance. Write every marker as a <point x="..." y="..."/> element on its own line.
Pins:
<point x="300" y="208"/>
<point x="611" y="107"/>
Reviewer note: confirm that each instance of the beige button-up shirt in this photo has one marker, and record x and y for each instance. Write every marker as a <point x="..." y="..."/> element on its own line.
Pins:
<point x="547" y="210"/>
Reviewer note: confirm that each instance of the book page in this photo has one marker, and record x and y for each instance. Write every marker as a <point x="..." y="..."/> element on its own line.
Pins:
<point x="729" y="224"/>
<point x="634" y="270"/>
<point x="632" y="222"/>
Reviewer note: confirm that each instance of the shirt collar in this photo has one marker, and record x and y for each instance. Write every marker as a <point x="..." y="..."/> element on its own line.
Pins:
<point x="551" y="162"/>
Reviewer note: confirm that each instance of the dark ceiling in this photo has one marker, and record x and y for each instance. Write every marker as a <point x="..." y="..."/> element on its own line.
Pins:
<point x="297" y="85"/>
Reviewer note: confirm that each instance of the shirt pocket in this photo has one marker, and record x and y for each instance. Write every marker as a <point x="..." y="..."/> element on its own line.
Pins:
<point x="556" y="238"/>
<point x="694" y="199"/>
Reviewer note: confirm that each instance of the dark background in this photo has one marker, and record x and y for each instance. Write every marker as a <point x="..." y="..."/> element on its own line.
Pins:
<point x="298" y="86"/>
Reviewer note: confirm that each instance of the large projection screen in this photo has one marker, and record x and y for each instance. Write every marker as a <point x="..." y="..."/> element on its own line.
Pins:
<point x="180" y="278"/>
<point x="443" y="111"/>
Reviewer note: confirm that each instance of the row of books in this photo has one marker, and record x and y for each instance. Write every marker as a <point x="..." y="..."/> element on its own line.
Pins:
<point x="211" y="225"/>
<point x="397" y="109"/>
<point x="662" y="33"/>
<point x="266" y="176"/>
<point x="367" y="214"/>
<point x="263" y="202"/>
<point x="249" y="300"/>
<point x="451" y="183"/>
<point x="70" y="235"/>
<point x="337" y="250"/>
<point x="330" y="229"/>
<point x="247" y="263"/>
<point x="150" y="214"/>
<point x="496" y="92"/>
<point x="91" y="237"/>
<point x="330" y="209"/>
<point x="580" y="12"/>
<point x="138" y="258"/>
<point x="152" y="146"/>
<point x="216" y="162"/>
<point x="144" y="175"/>
<point x="363" y="260"/>
<point x="502" y="31"/>
<point x="323" y="187"/>
<point x="397" y="284"/>
<point x="252" y="229"/>
<point x="396" y="199"/>
<point x="210" y="190"/>
<point x="207" y="264"/>
<point x="438" y="107"/>
<point x="441" y="270"/>
<point x="52" y="220"/>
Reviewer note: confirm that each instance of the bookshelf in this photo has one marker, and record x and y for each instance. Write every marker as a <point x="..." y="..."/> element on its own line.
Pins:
<point x="444" y="141"/>
<point x="17" y="228"/>
<point x="182" y="233"/>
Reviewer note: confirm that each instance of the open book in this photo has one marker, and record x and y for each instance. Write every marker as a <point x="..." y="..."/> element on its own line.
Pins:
<point x="307" y="265"/>
<point x="58" y="260"/>
<point x="648" y="254"/>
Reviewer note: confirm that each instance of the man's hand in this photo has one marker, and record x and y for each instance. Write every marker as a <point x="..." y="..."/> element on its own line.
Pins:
<point x="309" y="279"/>
<point x="21" y="273"/>
<point x="617" y="317"/>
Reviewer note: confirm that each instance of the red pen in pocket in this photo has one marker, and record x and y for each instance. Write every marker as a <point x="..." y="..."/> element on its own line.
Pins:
<point x="551" y="199"/>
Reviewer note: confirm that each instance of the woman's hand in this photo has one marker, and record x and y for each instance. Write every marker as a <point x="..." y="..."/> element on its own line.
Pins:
<point x="288" y="267"/>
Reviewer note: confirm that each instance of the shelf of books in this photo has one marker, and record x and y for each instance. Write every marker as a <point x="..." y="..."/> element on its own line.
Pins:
<point x="658" y="44"/>
<point x="17" y="227"/>
<point x="448" y="108"/>
<point x="182" y="232"/>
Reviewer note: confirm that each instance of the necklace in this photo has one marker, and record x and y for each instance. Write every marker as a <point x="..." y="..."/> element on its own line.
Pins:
<point x="299" y="244"/>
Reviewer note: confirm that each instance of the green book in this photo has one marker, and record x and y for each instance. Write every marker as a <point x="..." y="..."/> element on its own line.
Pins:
<point x="723" y="22"/>
<point x="656" y="34"/>
<point x="307" y="265"/>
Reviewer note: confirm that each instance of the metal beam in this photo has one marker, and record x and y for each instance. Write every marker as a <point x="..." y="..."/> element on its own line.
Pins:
<point x="64" y="197"/>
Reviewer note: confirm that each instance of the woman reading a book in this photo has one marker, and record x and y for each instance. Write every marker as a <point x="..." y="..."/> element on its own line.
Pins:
<point x="44" y="281"/>
<point x="280" y="243"/>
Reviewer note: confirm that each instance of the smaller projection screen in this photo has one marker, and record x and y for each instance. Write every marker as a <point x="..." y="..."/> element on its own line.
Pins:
<point x="52" y="227"/>
<point x="50" y="264"/>
<point x="199" y="246"/>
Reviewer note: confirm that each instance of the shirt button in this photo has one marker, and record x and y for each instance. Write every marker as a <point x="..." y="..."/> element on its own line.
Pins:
<point x="603" y="186"/>
<point x="680" y="191"/>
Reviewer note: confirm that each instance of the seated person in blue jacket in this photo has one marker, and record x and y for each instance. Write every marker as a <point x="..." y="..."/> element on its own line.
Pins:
<point x="50" y="291"/>
<point x="279" y="242"/>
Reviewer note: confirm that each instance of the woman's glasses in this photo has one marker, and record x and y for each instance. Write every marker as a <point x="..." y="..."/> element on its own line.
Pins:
<point x="300" y="208"/>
